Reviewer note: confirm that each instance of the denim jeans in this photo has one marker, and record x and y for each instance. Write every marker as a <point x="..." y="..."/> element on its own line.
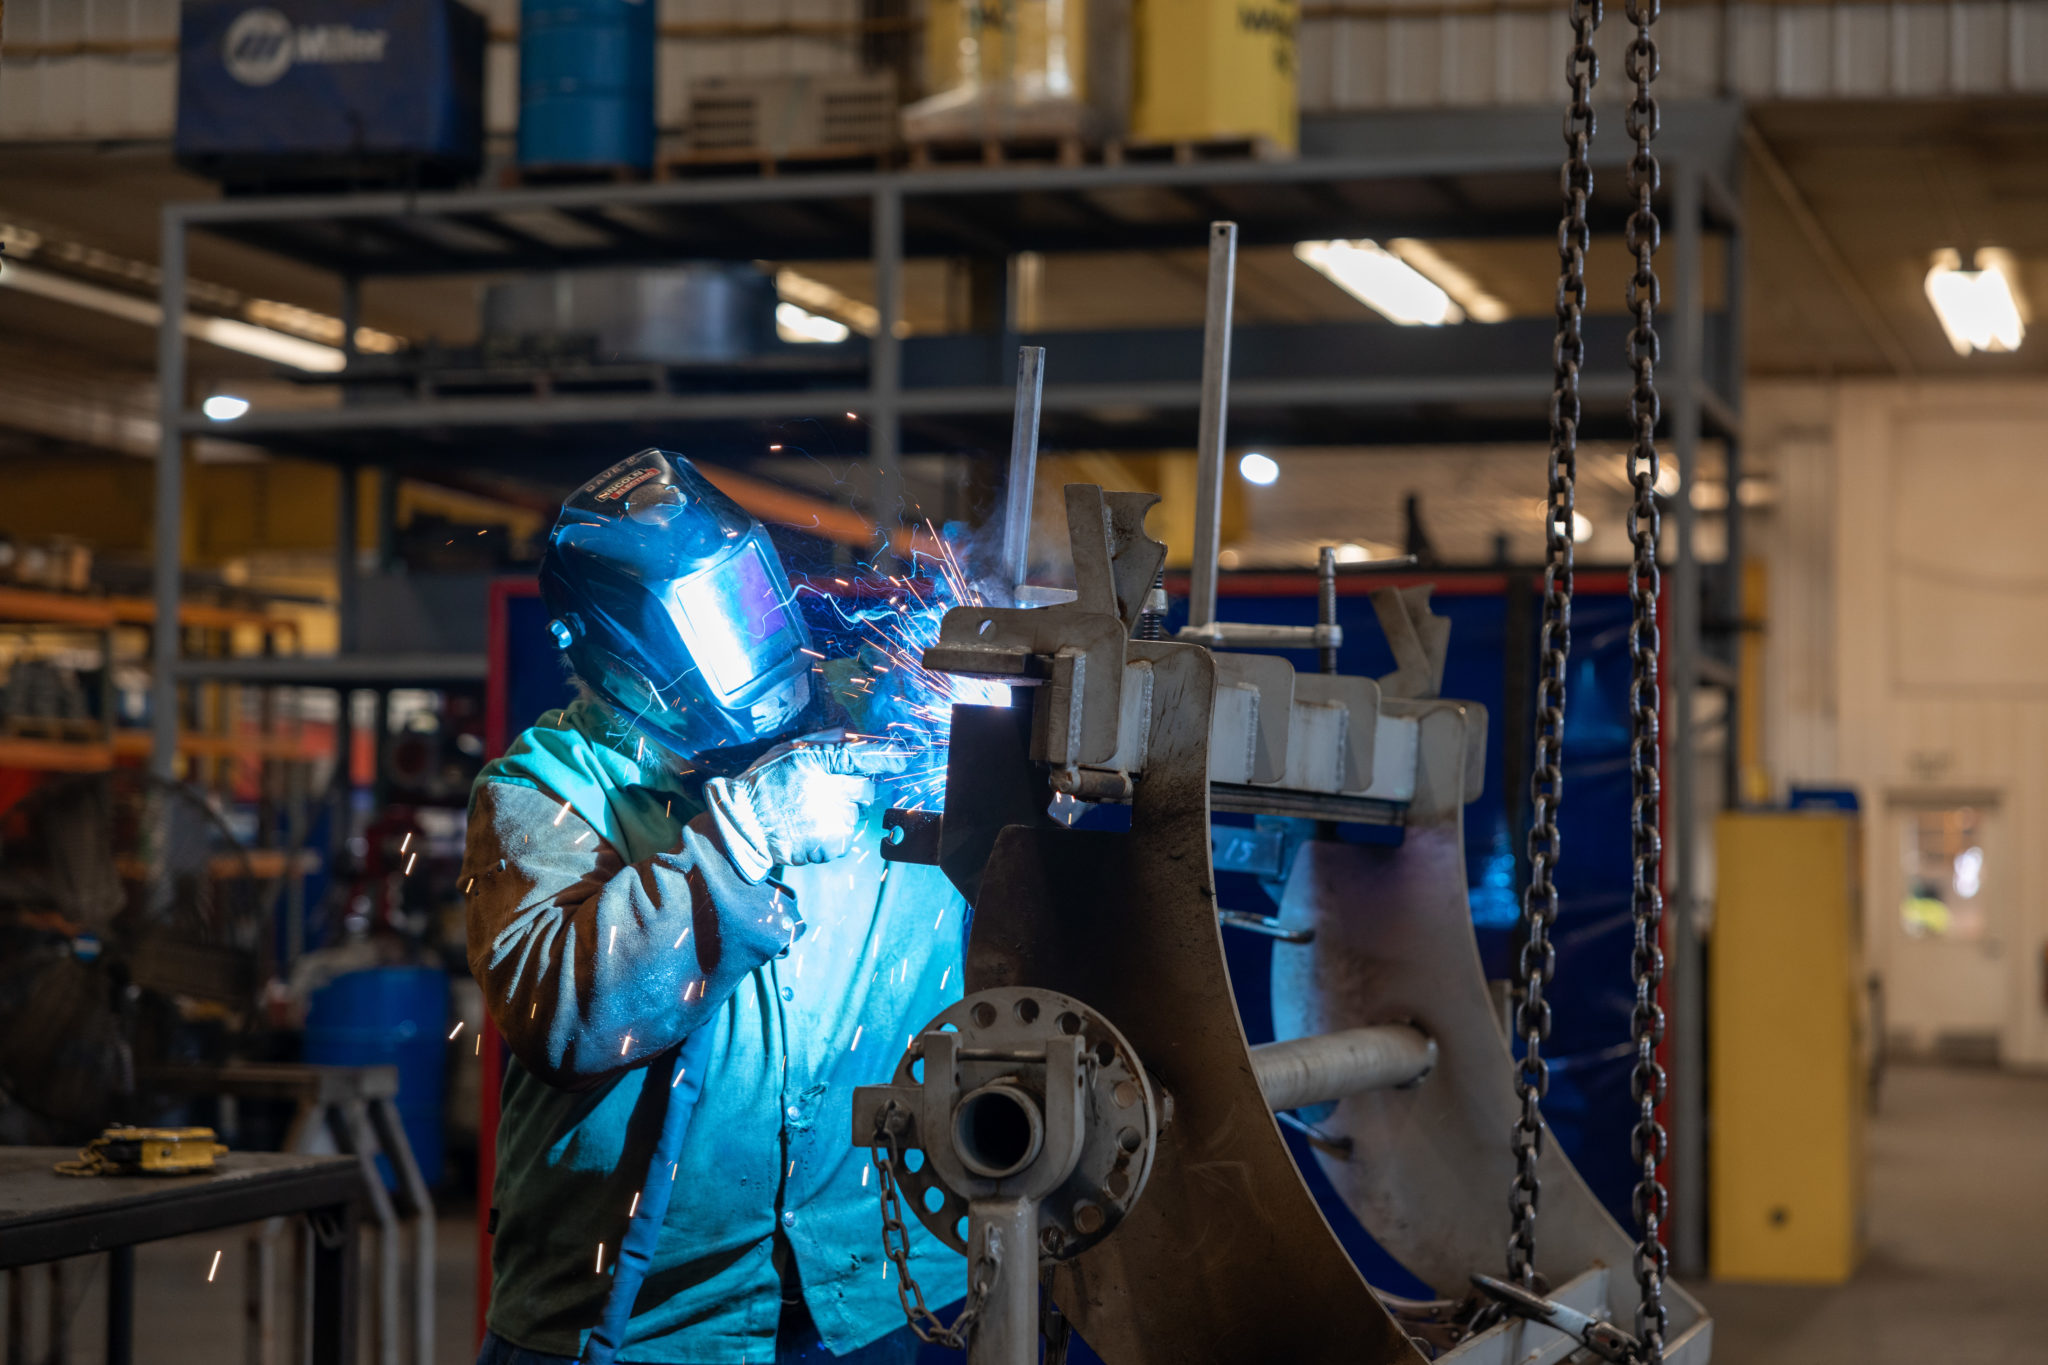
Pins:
<point x="796" y="1344"/>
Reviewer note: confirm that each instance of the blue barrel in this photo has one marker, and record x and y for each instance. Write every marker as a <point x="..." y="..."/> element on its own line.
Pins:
<point x="390" y="1016"/>
<point x="586" y="83"/>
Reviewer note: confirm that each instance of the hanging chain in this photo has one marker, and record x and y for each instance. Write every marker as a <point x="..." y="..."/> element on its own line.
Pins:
<point x="1546" y="785"/>
<point x="1648" y="1142"/>
<point x="930" y="1328"/>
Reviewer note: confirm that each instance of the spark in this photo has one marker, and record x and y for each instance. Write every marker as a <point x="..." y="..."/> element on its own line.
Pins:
<point x="852" y="418"/>
<point x="792" y="1169"/>
<point x="457" y="1029"/>
<point x="479" y="1045"/>
<point x="406" y="843"/>
<point x="409" y="862"/>
<point x="856" y="1036"/>
<point x="636" y="1205"/>
<point x="680" y="937"/>
<point x="600" y="1258"/>
<point x="666" y="804"/>
<point x="533" y="1011"/>
<point x="672" y="1168"/>
<point x="941" y="919"/>
<point x="672" y="1085"/>
<point x="942" y="977"/>
<point x="581" y="837"/>
<point x="467" y="889"/>
<point x="639" y="748"/>
<point x="864" y="1174"/>
<point x="614" y="940"/>
<point x="776" y="446"/>
<point x="625" y="1043"/>
<point x="562" y="812"/>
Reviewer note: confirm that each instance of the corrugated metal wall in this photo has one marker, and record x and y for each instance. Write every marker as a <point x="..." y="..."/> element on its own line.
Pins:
<point x="104" y="68"/>
<point x="1375" y="57"/>
<point x="88" y="69"/>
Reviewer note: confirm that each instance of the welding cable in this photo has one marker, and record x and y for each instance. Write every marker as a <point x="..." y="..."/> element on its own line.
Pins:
<point x="686" y="1064"/>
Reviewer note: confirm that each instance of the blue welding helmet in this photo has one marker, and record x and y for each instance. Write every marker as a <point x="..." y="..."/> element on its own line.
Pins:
<point x="671" y="604"/>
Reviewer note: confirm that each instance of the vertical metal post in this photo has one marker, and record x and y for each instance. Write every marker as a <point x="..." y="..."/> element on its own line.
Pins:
<point x="345" y="535"/>
<point x="1688" y="1023"/>
<point x="1023" y="465"/>
<point x="1006" y="1333"/>
<point x="170" y="500"/>
<point x="120" y="1306"/>
<point x="885" y="366"/>
<point x="335" y="1260"/>
<point x="1729" y="374"/>
<point x="1326" y="601"/>
<point x="1215" y="413"/>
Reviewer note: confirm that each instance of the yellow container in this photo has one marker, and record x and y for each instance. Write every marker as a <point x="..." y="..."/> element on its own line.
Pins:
<point x="1215" y="69"/>
<point x="996" y="68"/>
<point x="1785" y="1156"/>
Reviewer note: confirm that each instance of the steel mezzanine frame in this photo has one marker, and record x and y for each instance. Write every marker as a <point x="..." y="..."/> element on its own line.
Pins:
<point x="1442" y="173"/>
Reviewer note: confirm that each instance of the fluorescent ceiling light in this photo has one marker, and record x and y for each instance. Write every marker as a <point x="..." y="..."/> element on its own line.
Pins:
<point x="1350" y="552"/>
<point x="1258" y="469"/>
<point x="1465" y="291"/>
<point x="227" y="333"/>
<point x="1381" y="281"/>
<point x="799" y="324"/>
<point x="1978" y="308"/>
<point x="224" y="407"/>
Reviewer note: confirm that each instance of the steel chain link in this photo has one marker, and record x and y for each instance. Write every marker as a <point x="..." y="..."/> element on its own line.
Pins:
<point x="930" y="1328"/>
<point x="1538" y="958"/>
<point x="1647" y="1082"/>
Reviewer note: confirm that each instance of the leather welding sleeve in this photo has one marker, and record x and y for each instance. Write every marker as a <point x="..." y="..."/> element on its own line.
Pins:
<point x="589" y="964"/>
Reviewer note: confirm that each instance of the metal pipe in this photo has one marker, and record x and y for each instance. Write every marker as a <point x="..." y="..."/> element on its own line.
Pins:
<point x="170" y="501"/>
<point x="1687" y="1176"/>
<point x="1330" y="1066"/>
<point x="885" y="373"/>
<point x="1215" y="414"/>
<point x="1023" y="465"/>
<point x="1326" y="602"/>
<point x="1006" y="1333"/>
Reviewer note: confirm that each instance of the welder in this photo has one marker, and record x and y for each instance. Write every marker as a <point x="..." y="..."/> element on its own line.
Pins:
<point x="675" y="890"/>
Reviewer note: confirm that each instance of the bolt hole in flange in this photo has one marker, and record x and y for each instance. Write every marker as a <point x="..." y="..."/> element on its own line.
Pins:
<point x="984" y="1014"/>
<point x="1027" y="1011"/>
<point x="997" y="1131"/>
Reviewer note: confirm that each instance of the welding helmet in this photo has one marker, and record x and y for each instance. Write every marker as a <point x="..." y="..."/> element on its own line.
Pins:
<point x="671" y="604"/>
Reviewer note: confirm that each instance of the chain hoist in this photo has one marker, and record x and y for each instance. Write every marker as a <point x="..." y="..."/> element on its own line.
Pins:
<point x="1537" y="960"/>
<point x="1538" y="957"/>
<point x="1646" y="1022"/>
<point x="930" y="1328"/>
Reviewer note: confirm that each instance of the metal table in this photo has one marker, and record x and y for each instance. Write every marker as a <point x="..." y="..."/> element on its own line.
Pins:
<point x="48" y="1217"/>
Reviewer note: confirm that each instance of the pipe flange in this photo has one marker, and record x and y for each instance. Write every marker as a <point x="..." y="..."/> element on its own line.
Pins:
<point x="1000" y="1030"/>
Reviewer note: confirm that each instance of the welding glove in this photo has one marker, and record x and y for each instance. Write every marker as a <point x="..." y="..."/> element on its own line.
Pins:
<point x="800" y="802"/>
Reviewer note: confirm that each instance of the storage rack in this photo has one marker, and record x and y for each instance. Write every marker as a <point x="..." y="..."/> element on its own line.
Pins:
<point x="1439" y="173"/>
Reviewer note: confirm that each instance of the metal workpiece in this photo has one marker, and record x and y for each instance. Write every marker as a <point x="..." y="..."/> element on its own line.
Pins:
<point x="1431" y="1192"/>
<point x="1227" y="1258"/>
<point x="1017" y="499"/>
<point x="1297" y="1072"/>
<point x="1022" y="1093"/>
<point x="1257" y="635"/>
<point x="1215" y="415"/>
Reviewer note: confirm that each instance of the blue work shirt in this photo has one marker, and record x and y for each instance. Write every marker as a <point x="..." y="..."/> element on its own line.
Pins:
<point x="588" y="870"/>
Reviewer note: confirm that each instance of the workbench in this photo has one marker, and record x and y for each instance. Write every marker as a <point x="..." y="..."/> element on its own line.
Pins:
<point x="49" y="1217"/>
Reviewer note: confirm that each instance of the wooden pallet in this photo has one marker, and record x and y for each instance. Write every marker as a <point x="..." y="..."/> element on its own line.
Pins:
<point x="767" y="164"/>
<point x="1192" y="151"/>
<point x="66" y="730"/>
<point x="1063" y="149"/>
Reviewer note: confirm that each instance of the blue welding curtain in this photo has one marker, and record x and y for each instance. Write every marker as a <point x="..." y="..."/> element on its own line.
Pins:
<point x="1589" y="1108"/>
